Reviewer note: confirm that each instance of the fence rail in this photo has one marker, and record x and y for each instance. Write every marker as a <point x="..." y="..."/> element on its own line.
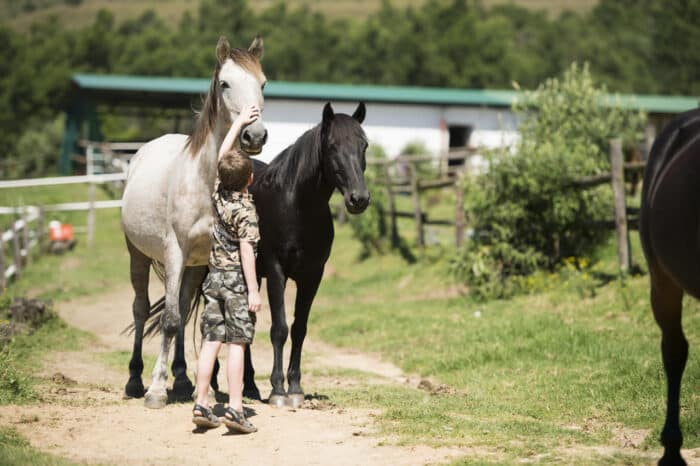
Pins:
<point x="406" y="179"/>
<point x="23" y="239"/>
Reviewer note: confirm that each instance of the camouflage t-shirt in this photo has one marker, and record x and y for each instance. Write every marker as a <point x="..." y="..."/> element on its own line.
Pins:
<point x="235" y="220"/>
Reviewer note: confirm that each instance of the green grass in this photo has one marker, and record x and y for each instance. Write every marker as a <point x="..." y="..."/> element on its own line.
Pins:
<point x="537" y="373"/>
<point x="83" y="271"/>
<point x="16" y="451"/>
<point x="21" y="360"/>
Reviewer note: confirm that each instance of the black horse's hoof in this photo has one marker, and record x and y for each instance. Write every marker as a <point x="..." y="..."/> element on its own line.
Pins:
<point x="277" y="401"/>
<point x="134" y="388"/>
<point x="182" y="389"/>
<point x="295" y="400"/>
<point x="252" y="393"/>
<point x="672" y="459"/>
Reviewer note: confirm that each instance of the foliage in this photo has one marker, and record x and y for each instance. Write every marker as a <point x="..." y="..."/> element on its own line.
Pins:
<point x="633" y="46"/>
<point x="525" y="212"/>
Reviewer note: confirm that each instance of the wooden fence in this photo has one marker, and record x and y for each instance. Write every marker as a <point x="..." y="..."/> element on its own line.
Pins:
<point x="616" y="177"/>
<point x="22" y="238"/>
<point x="401" y="175"/>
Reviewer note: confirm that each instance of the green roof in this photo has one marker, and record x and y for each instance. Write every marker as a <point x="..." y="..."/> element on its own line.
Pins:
<point x="363" y="92"/>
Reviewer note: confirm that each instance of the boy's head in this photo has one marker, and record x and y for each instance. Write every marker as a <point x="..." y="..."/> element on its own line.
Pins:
<point x="235" y="170"/>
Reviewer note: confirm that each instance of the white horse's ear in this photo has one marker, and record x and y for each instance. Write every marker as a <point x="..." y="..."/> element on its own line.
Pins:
<point x="360" y="112"/>
<point x="256" y="48"/>
<point x="223" y="50"/>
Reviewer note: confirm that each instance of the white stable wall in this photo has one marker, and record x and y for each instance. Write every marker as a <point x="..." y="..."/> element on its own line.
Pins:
<point x="392" y="126"/>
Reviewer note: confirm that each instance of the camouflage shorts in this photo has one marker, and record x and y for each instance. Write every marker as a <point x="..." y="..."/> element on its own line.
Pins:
<point x="226" y="317"/>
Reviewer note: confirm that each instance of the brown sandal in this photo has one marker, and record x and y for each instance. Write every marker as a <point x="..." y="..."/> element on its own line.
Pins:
<point x="206" y="419"/>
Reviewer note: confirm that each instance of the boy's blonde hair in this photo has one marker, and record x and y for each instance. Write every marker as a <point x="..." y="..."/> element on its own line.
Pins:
<point x="234" y="170"/>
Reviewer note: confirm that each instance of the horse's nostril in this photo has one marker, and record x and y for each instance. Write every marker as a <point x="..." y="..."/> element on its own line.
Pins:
<point x="264" y="137"/>
<point x="245" y="137"/>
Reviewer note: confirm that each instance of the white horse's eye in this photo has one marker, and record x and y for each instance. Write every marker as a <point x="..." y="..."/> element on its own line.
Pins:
<point x="224" y="85"/>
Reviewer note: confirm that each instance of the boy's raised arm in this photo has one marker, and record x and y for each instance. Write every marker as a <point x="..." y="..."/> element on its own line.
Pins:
<point x="246" y="117"/>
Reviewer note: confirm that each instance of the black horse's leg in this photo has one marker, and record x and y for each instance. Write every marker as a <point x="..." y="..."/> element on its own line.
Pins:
<point x="191" y="280"/>
<point x="276" y="282"/>
<point x="140" y="268"/>
<point x="667" y="303"/>
<point x="306" y="291"/>
<point x="250" y="388"/>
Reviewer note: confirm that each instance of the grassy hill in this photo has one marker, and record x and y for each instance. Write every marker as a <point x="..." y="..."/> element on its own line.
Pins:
<point x="21" y="13"/>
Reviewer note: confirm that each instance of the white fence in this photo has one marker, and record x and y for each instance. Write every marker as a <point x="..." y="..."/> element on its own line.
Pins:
<point x="24" y="239"/>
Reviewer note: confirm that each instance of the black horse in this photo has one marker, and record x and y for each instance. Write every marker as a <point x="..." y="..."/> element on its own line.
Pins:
<point x="296" y="229"/>
<point x="669" y="226"/>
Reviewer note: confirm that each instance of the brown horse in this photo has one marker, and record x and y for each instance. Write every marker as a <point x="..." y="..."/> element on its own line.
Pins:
<point x="669" y="227"/>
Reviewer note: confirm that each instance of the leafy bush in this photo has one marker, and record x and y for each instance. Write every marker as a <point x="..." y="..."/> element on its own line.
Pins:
<point x="524" y="210"/>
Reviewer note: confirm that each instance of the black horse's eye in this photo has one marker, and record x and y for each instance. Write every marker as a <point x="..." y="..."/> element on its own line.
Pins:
<point x="224" y="85"/>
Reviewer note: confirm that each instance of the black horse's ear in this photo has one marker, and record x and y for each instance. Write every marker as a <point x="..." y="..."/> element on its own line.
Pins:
<point x="223" y="50"/>
<point x="256" y="47"/>
<point x="328" y="116"/>
<point x="360" y="112"/>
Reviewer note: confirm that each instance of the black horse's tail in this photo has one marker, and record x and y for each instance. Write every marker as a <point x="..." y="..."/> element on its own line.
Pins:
<point x="153" y="324"/>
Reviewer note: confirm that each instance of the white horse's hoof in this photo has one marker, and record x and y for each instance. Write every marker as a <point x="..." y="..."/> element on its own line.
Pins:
<point x="277" y="401"/>
<point x="155" y="400"/>
<point x="295" y="400"/>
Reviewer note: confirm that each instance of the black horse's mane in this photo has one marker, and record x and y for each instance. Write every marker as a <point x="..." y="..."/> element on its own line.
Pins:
<point x="301" y="162"/>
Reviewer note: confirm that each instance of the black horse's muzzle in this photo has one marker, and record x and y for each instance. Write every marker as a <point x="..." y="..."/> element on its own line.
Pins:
<point x="357" y="201"/>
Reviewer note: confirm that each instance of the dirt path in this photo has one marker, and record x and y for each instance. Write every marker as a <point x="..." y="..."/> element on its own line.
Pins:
<point x="86" y="419"/>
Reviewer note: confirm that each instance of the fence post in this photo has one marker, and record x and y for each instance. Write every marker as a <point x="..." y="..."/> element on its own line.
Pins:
<point x="25" y="240"/>
<point x="40" y="231"/>
<point x="417" y="213"/>
<point x="618" y="186"/>
<point x="91" y="214"/>
<point x="2" y="263"/>
<point x="391" y="206"/>
<point x="16" y="251"/>
<point x="460" y="221"/>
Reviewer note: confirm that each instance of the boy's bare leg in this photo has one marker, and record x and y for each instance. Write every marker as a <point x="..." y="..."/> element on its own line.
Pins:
<point x="234" y="374"/>
<point x="205" y="367"/>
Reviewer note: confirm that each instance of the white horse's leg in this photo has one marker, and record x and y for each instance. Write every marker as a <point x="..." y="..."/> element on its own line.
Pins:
<point x="157" y="395"/>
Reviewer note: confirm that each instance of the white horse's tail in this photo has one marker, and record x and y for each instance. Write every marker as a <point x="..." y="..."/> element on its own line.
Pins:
<point x="153" y="324"/>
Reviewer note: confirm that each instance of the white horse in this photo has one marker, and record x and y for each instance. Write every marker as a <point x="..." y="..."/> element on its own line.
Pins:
<point x="166" y="213"/>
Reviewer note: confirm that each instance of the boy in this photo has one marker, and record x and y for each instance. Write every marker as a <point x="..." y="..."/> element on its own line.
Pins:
<point x="229" y="314"/>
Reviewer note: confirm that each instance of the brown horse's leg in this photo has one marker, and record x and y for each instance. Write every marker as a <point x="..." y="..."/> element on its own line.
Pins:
<point x="667" y="303"/>
<point x="139" y="271"/>
<point x="191" y="280"/>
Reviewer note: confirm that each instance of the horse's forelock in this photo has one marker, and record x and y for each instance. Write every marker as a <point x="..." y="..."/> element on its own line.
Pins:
<point x="247" y="61"/>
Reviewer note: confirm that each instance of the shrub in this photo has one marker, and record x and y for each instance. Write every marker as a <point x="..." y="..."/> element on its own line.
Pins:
<point x="524" y="210"/>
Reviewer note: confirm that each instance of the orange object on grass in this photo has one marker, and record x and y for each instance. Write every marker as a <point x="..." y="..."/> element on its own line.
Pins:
<point x="60" y="231"/>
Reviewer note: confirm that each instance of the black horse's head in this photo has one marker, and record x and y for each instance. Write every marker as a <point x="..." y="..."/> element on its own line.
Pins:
<point x="344" y="145"/>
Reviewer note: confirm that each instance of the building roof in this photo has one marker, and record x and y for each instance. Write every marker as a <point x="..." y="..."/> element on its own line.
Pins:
<point x="175" y="89"/>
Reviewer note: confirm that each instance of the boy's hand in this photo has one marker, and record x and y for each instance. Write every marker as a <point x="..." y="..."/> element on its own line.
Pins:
<point x="254" y="301"/>
<point x="248" y="115"/>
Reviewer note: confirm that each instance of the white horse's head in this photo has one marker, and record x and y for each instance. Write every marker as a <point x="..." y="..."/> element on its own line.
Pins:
<point x="240" y="82"/>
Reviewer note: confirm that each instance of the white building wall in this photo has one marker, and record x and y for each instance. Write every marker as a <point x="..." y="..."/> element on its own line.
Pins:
<point x="392" y="126"/>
